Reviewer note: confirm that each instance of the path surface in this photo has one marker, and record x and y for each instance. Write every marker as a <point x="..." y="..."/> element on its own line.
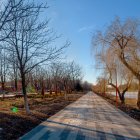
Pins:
<point x="89" y="118"/>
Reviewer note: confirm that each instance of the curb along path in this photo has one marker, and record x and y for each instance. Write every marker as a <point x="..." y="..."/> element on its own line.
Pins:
<point x="89" y="118"/>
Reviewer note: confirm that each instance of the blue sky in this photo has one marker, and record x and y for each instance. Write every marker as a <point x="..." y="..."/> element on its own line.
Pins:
<point x="77" y="20"/>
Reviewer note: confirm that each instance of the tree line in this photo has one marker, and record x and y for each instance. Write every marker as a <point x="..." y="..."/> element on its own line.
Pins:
<point x="28" y="51"/>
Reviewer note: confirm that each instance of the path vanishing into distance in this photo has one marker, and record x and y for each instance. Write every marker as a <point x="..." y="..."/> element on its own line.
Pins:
<point x="89" y="118"/>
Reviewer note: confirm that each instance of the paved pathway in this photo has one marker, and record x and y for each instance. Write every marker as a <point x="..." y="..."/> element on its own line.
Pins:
<point x="89" y="118"/>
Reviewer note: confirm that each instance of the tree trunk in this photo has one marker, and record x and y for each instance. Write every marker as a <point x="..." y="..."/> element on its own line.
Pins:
<point x="50" y="91"/>
<point x="26" y="104"/>
<point x="123" y="98"/>
<point x="3" y="85"/>
<point x="42" y="90"/>
<point x="16" y="87"/>
<point x="3" y="88"/>
<point x="65" y="92"/>
<point x="25" y="94"/>
<point x="56" y="90"/>
<point x="138" y="100"/>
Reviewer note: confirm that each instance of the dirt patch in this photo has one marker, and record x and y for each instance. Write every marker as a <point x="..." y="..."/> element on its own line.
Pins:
<point x="14" y="125"/>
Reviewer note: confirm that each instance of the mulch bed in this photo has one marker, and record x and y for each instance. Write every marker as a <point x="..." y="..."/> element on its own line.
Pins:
<point x="17" y="124"/>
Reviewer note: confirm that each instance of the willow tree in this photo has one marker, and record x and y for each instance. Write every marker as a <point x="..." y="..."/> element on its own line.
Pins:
<point x="124" y="38"/>
<point x="117" y="72"/>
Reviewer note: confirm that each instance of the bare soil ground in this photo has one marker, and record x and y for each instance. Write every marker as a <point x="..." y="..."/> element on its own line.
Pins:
<point x="17" y="124"/>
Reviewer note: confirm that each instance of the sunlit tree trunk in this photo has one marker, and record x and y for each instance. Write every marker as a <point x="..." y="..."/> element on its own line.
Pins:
<point x="26" y="105"/>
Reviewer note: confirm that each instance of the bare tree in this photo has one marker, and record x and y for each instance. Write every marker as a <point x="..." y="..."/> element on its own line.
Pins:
<point x="13" y="71"/>
<point x="101" y="85"/>
<point x="126" y="78"/>
<point x="3" y="69"/>
<point x="117" y="72"/>
<point x="76" y="73"/>
<point x="7" y="8"/>
<point x="57" y="72"/>
<point x="30" y="41"/>
<point x="124" y="38"/>
<point x="64" y="76"/>
<point x="87" y="86"/>
<point x="71" y="73"/>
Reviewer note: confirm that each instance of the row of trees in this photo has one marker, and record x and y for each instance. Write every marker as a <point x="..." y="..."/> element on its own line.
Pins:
<point x="118" y="53"/>
<point x="56" y="77"/>
<point x="26" y="44"/>
<point x="28" y="52"/>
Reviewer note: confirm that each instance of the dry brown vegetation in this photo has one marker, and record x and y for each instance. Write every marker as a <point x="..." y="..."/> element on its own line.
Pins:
<point x="17" y="124"/>
<point x="130" y="107"/>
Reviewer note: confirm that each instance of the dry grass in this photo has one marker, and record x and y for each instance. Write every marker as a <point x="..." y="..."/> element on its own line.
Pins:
<point x="128" y="101"/>
<point x="17" y="124"/>
<point x="130" y="106"/>
<point x="131" y="102"/>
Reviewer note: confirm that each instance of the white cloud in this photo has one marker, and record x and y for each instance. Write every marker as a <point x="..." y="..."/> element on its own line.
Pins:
<point x="85" y="28"/>
<point x="53" y="15"/>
